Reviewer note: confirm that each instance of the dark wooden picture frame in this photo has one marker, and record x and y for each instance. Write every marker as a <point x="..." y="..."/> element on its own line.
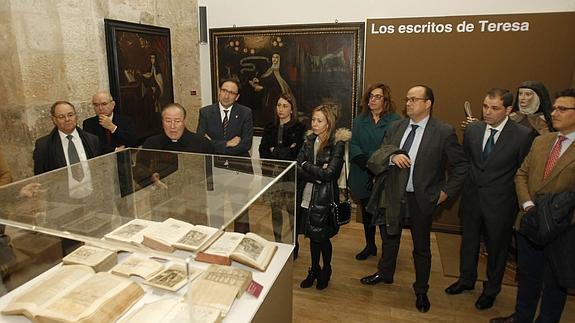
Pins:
<point x="320" y="63"/>
<point x="140" y="72"/>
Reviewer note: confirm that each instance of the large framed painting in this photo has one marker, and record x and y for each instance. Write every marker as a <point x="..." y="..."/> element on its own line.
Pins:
<point x="320" y="63"/>
<point x="140" y="71"/>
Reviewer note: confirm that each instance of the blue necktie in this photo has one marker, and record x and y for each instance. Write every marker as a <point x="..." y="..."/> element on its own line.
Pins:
<point x="489" y="144"/>
<point x="409" y="140"/>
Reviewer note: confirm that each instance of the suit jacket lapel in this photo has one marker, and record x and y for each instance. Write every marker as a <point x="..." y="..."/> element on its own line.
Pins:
<point x="218" y="120"/>
<point x="426" y="141"/>
<point x="399" y="133"/>
<point x="503" y="139"/>
<point x="477" y="142"/>
<point x="567" y="158"/>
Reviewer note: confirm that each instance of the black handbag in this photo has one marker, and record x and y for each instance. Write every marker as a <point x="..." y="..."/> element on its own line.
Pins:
<point x="342" y="211"/>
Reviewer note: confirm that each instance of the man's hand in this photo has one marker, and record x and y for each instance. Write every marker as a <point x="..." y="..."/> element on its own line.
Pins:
<point x="233" y="142"/>
<point x="401" y="161"/>
<point x="106" y="122"/>
<point x="467" y="122"/>
<point x="442" y="197"/>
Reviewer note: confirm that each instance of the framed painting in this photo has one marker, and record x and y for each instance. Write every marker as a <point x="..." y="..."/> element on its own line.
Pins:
<point x="320" y="63"/>
<point x="140" y="72"/>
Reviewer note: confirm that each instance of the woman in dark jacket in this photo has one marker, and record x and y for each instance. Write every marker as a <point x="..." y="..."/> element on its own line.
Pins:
<point x="319" y="166"/>
<point x="367" y="136"/>
<point x="282" y="139"/>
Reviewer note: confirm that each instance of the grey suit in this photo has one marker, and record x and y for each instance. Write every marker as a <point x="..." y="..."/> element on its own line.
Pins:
<point x="489" y="200"/>
<point x="240" y="124"/>
<point x="438" y="145"/>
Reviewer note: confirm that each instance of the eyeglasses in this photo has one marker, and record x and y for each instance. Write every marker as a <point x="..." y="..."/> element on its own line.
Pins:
<point x="376" y="97"/>
<point x="413" y="99"/>
<point x="175" y="121"/>
<point x="103" y="104"/>
<point x="65" y="116"/>
<point x="562" y="109"/>
<point x="225" y="91"/>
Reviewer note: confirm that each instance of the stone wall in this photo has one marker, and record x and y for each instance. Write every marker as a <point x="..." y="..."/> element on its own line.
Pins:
<point x="55" y="50"/>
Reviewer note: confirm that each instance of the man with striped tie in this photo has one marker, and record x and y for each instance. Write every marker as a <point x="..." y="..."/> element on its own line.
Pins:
<point x="495" y="148"/>
<point x="229" y="127"/>
<point x="546" y="272"/>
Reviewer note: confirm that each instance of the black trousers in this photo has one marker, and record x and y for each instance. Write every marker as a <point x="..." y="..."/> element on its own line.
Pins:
<point x="498" y="229"/>
<point x="420" y="223"/>
<point x="537" y="280"/>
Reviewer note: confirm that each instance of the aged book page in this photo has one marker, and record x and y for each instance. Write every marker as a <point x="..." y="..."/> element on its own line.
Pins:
<point x="101" y="298"/>
<point x="254" y="251"/>
<point x="172" y="277"/>
<point x="138" y="266"/>
<point x="31" y="301"/>
<point x="98" y="258"/>
<point x="163" y="235"/>
<point x="199" y="237"/>
<point x="211" y="294"/>
<point x="131" y="232"/>
<point x="225" y="244"/>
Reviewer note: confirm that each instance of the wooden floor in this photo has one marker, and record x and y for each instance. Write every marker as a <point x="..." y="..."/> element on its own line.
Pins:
<point x="346" y="300"/>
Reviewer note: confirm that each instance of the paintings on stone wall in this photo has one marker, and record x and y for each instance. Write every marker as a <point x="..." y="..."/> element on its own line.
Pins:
<point x="140" y="72"/>
<point x="317" y="64"/>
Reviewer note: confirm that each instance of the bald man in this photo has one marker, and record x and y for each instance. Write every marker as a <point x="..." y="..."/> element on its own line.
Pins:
<point x="113" y="130"/>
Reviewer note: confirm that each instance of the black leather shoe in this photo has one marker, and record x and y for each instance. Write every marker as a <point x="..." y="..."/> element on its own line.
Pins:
<point x="422" y="303"/>
<point x="457" y="288"/>
<point x="366" y="252"/>
<point x="484" y="302"/>
<point x="507" y="319"/>
<point x="375" y="279"/>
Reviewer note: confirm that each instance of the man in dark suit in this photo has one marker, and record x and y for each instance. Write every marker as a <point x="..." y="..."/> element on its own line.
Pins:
<point x="227" y="124"/>
<point x="229" y="127"/>
<point x="548" y="168"/>
<point x="54" y="150"/>
<point x="114" y="130"/>
<point x="426" y="145"/>
<point x="495" y="148"/>
<point x="176" y="137"/>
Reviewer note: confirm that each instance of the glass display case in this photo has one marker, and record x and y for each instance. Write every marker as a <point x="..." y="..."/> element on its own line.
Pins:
<point x="97" y="201"/>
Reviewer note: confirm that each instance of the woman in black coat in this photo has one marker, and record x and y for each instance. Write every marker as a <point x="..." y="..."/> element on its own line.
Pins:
<point x="282" y="139"/>
<point x="319" y="166"/>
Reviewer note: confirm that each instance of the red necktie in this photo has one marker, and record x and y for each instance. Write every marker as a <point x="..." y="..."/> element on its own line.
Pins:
<point x="554" y="156"/>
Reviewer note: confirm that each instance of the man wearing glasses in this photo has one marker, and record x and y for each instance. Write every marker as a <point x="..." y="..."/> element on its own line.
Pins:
<point x="545" y="272"/>
<point x="229" y="127"/>
<point x="426" y="146"/>
<point x="66" y="144"/>
<point x="176" y="137"/>
<point x="115" y="131"/>
<point x="227" y="124"/>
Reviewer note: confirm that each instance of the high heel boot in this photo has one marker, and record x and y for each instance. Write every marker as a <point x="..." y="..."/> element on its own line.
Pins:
<point x="312" y="275"/>
<point x="323" y="279"/>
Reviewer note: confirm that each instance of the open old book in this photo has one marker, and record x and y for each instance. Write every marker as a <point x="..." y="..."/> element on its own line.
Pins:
<point x="76" y="294"/>
<point x="131" y="232"/>
<point x="248" y="249"/>
<point x="98" y="258"/>
<point x="172" y="233"/>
